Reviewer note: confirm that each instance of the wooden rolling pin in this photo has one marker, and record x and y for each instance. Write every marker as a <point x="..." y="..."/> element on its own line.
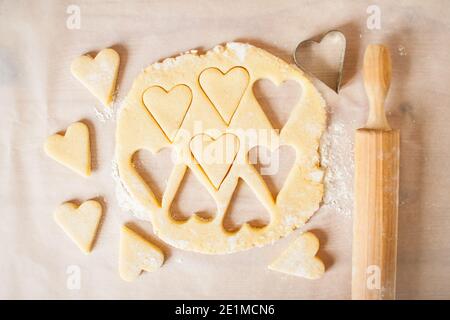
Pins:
<point x="376" y="188"/>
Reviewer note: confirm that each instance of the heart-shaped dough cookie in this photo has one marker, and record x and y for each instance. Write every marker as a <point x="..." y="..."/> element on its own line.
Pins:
<point x="215" y="156"/>
<point x="99" y="74"/>
<point x="71" y="149"/>
<point x="168" y="107"/>
<point x="224" y="90"/>
<point x="137" y="254"/>
<point x="299" y="259"/>
<point x="323" y="59"/>
<point x="80" y="223"/>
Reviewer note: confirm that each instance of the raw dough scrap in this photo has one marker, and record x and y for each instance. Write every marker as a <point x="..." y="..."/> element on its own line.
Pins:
<point x="80" y="223"/>
<point x="99" y="74"/>
<point x="215" y="156"/>
<point x="214" y="115"/>
<point x="137" y="254"/>
<point x="299" y="259"/>
<point x="168" y="107"/>
<point x="72" y="149"/>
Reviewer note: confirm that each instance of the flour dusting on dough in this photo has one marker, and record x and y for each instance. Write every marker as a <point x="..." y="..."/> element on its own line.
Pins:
<point x="300" y="199"/>
<point x="124" y="198"/>
<point x="240" y="49"/>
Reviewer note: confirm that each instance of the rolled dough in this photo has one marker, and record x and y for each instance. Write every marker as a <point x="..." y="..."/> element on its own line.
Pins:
<point x="236" y="67"/>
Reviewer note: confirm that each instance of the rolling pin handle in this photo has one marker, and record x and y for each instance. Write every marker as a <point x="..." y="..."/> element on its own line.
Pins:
<point x="377" y="80"/>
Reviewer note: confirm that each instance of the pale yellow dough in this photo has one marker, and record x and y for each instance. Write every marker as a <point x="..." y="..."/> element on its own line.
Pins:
<point x="99" y="74"/>
<point x="215" y="156"/>
<point x="299" y="259"/>
<point x="137" y="254"/>
<point x="169" y="107"/>
<point x="225" y="91"/>
<point x="80" y="223"/>
<point x="222" y="102"/>
<point x="72" y="149"/>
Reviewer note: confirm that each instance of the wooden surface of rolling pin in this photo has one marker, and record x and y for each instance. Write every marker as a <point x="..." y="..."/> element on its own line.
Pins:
<point x="376" y="188"/>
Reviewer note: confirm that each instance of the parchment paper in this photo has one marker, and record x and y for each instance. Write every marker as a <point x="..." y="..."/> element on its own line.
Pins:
<point x="39" y="96"/>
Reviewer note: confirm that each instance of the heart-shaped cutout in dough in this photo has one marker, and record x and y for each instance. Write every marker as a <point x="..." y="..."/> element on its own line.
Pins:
<point x="168" y="107"/>
<point x="71" y="149"/>
<point x="155" y="169"/>
<point x="192" y="198"/>
<point x="99" y="74"/>
<point x="299" y="259"/>
<point x="323" y="59"/>
<point x="224" y="90"/>
<point x="274" y="167"/>
<point x="137" y="254"/>
<point x="245" y="208"/>
<point x="215" y="156"/>
<point x="277" y="102"/>
<point x="80" y="223"/>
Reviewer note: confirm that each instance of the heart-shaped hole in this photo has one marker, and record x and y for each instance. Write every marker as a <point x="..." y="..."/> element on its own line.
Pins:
<point x="155" y="169"/>
<point x="274" y="167"/>
<point x="277" y="102"/>
<point x="245" y="207"/>
<point x="192" y="198"/>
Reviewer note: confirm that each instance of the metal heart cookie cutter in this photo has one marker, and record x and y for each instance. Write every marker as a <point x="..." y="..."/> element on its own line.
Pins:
<point x="318" y="58"/>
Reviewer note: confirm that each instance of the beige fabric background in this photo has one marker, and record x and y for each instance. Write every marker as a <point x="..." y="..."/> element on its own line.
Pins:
<point x="38" y="96"/>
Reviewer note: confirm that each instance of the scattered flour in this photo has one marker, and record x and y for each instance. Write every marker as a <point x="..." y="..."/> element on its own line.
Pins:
<point x="402" y="50"/>
<point x="107" y="113"/>
<point x="126" y="202"/>
<point x="337" y="159"/>
<point x="178" y="260"/>
<point x="240" y="49"/>
<point x="103" y="115"/>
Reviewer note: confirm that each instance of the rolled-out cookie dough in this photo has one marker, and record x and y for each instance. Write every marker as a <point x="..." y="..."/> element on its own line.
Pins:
<point x="231" y="69"/>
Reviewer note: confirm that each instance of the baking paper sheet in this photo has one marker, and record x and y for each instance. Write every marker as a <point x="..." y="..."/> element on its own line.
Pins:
<point x="38" y="97"/>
